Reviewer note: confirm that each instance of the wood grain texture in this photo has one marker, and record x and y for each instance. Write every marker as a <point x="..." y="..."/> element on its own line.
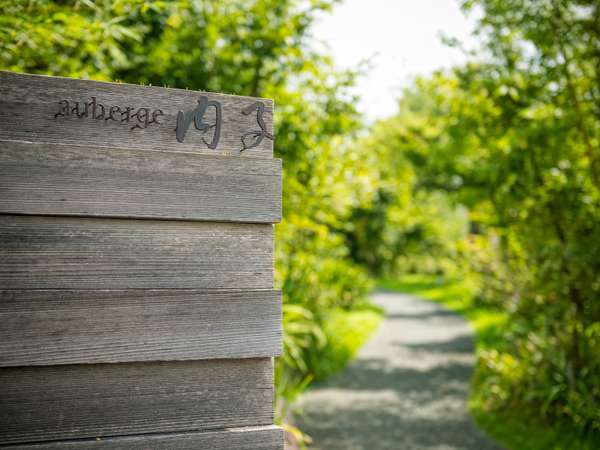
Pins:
<point x="28" y="104"/>
<point x="249" y="438"/>
<point x="88" y="401"/>
<point x="46" y="327"/>
<point x="83" y="253"/>
<point x="50" y="179"/>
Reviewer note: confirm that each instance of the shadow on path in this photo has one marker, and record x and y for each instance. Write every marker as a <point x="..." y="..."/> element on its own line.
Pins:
<point x="407" y="389"/>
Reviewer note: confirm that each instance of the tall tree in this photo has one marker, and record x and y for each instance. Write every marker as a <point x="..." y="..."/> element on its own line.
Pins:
<point x="515" y="137"/>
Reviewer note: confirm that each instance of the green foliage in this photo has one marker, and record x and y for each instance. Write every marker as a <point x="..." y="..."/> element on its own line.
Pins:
<point x="244" y="47"/>
<point x="72" y="38"/>
<point x="515" y="139"/>
<point x="399" y="226"/>
<point x="516" y="429"/>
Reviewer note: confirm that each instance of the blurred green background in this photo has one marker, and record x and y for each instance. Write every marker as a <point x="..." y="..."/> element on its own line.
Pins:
<point x="483" y="192"/>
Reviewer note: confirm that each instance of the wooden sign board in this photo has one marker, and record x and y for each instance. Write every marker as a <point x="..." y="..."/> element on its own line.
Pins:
<point x="66" y="111"/>
<point x="137" y="307"/>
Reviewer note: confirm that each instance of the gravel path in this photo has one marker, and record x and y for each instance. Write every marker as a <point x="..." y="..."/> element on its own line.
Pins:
<point x="407" y="390"/>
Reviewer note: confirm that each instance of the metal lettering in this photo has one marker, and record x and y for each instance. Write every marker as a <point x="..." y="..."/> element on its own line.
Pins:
<point x="184" y="121"/>
<point x="255" y="137"/>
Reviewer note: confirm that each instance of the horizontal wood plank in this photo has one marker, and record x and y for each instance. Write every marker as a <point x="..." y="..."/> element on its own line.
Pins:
<point x="50" y="179"/>
<point x="141" y="117"/>
<point x="88" y="401"/>
<point x="249" y="438"/>
<point x="84" y="253"/>
<point x="46" y="327"/>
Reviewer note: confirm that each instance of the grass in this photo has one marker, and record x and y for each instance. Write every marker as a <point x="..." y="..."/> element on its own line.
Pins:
<point x="346" y="332"/>
<point x="516" y="430"/>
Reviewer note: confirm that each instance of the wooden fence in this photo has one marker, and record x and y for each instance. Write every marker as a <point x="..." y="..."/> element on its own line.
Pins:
<point x="137" y="307"/>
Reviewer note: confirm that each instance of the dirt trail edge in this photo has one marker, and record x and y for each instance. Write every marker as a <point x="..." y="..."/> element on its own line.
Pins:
<point x="406" y="390"/>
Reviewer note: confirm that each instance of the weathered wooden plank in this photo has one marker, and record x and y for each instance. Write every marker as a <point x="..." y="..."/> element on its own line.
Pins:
<point x="46" y="327"/>
<point x="62" y="110"/>
<point x="250" y="438"/>
<point x="84" y="253"/>
<point x="88" y="401"/>
<point x="97" y="181"/>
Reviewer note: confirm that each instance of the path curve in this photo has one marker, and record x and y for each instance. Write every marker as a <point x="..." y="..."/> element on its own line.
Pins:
<point x="406" y="390"/>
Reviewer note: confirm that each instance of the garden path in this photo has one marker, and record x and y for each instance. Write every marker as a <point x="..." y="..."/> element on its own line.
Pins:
<point x="406" y="390"/>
